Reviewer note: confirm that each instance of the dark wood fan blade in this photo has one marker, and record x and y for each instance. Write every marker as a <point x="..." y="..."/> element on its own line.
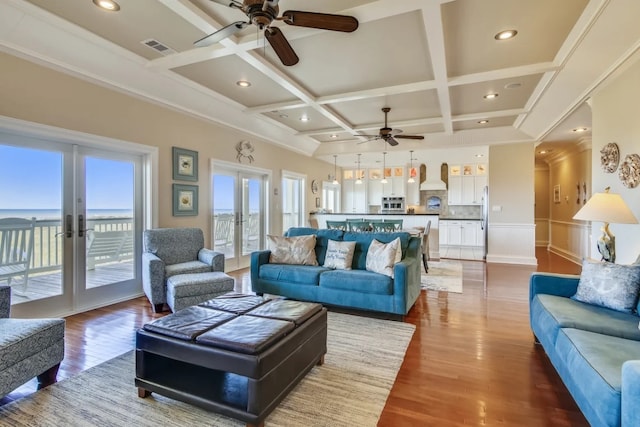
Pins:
<point x="323" y="21"/>
<point x="392" y="142"/>
<point x="409" y="136"/>
<point x="221" y="34"/>
<point x="281" y="46"/>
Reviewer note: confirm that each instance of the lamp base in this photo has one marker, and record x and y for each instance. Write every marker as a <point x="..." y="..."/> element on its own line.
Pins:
<point x="607" y="244"/>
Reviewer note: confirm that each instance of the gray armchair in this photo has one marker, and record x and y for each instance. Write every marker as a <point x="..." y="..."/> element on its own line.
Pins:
<point x="172" y="251"/>
<point x="28" y="347"/>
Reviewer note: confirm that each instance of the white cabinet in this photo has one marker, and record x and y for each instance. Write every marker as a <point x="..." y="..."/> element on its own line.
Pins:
<point x="374" y="191"/>
<point x="394" y="187"/>
<point x="461" y="233"/>
<point x="466" y="190"/>
<point x="353" y="197"/>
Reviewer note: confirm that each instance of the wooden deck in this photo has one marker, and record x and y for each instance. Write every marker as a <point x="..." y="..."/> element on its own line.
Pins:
<point x="44" y="285"/>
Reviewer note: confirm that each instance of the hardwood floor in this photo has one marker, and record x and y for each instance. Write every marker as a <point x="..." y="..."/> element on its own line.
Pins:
<point x="471" y="362"/>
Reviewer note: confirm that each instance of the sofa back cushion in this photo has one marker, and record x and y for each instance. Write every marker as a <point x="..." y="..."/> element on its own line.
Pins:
<point x="363" y="240"/>
<point x="322" y="238"/>
<point x="609" y="285"/>
<point x="292" y="250"/>
<point x="174" y="245"/>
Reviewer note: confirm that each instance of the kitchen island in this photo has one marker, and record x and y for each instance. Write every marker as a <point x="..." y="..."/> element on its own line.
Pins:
<point x="409" y="221"/>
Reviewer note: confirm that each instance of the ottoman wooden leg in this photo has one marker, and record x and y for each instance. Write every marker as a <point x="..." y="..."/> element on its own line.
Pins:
<point x="143" y="393"/>
<point x="256" y="425"/>
<point x="158" y="308"/>
<point x="321" y="361"/>
<point x="48" y="377"/>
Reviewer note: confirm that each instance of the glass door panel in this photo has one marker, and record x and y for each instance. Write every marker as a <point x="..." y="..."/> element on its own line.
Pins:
<point x="224" y="214"/>
<point x="252" y="218"/>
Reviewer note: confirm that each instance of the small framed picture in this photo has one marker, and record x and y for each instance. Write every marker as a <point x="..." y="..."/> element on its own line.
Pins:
<point x="467" y="170"/>
<point x="317" y="202"/>
<point x="185" y="164"/>
<point x="556" y="194"/>
<point x="185" y="200"/>
<point x="455" y="170"/>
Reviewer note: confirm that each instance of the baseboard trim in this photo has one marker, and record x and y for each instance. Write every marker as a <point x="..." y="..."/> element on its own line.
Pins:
<point x="570" y="256"/>
<point x="496" y="259"/>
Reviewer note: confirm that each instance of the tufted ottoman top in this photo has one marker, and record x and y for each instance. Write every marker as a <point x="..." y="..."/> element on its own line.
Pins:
<point x="241" y="323"/>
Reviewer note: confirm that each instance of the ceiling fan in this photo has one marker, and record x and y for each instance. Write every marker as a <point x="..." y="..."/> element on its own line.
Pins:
<point x="389" y="135"/>
<point x="263" y="12"/>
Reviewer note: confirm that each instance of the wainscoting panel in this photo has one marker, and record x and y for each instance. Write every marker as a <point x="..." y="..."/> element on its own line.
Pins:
<point x="542" y="232"/>
<point x="570" y="240"/>
<point x="512" y="244"/>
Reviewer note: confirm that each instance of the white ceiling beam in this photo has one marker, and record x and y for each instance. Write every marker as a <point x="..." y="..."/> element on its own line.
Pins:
<point x="489" y="115"/>
<point x="504" y="73"/>
<point x="376" y="92"/>
<point x="432" y="19"/>
<point x="278" y="106"/>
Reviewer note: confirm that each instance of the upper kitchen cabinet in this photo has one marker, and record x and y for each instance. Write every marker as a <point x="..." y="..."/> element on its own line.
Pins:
<point x="466" y="183"/>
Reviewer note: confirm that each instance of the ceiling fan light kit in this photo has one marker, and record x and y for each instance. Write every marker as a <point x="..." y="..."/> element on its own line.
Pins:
<point x="262" y="13"/>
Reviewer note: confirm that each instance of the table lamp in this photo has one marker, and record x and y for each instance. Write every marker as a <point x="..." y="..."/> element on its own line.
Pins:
<point x="606" y="207"/>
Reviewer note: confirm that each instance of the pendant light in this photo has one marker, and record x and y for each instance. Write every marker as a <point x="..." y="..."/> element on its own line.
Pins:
<point x="411" y="180"/>
<point x="358" y="180"/>
<point x="384" y="167"/>
<point x="335" y="169"/>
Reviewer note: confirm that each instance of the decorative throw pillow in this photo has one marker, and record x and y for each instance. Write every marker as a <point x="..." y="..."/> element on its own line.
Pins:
<point x="609" y="285"/>
<point x="381" y="257"/>
<point x="292" y="250"/>
<point x="339" y="255"/>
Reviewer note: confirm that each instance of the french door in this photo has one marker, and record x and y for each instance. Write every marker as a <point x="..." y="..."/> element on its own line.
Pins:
<point x="84" y="208"/>
<point x="239" y="212"/>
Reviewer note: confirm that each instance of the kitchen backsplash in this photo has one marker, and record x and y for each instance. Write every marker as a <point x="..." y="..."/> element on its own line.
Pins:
<point x="427" y="205"/>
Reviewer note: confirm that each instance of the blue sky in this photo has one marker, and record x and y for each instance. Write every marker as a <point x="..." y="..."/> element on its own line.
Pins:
<point x="32" y="179"/>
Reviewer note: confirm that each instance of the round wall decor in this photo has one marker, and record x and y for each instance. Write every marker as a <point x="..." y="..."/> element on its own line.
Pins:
<point x="630" y="171"/>
<point x="610" y="157"/>
<point x="314" y="186"/>
<point x="244" y="150"/>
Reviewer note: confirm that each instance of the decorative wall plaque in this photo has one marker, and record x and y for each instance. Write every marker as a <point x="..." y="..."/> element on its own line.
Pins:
<point x="610" y="157"/>
<point x="630" y="171"/>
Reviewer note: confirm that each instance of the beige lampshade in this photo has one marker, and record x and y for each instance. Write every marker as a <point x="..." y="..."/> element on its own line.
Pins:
<point x="606" y="207"/>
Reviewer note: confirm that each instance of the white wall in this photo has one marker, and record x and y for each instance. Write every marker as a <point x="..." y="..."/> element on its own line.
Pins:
<point x="616" y="118"/>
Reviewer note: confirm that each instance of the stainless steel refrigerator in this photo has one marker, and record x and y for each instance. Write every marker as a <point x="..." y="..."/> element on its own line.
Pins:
<point x="485" y="220"/>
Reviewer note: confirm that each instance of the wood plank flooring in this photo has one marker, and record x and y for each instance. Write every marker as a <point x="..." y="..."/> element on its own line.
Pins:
<point x="471" y="362"/>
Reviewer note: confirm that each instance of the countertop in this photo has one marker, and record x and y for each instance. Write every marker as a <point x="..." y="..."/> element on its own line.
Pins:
<point x="376" y="214"/>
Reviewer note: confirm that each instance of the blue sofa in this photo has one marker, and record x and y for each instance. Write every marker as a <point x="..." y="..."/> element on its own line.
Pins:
<point x="356" y="288"/>
<point x="595" y="350"/>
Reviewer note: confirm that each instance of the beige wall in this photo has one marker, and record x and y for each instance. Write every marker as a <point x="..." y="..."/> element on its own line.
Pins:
<point x="38" y="94"/>
<point x="616" y="118"/>
<point x="542" y="199"/>
<point x="511" y="204"/>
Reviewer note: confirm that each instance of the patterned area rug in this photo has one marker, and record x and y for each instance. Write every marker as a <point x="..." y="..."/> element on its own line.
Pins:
<point x="350" y="389"/>
<point x="444" y="275"/>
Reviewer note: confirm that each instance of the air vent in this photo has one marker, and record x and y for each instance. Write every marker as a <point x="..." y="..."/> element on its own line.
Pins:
<point x="158" y="46"/>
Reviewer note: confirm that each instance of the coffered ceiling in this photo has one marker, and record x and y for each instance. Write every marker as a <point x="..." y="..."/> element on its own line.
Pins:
<point x="431" y="61"/>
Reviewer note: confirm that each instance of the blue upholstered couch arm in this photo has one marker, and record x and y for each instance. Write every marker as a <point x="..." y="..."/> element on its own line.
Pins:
<point x="630" y="393"/>
<point x="5" y="301"/>
<point x="258" y="258"/>
<point x="563" y="285"/>
<point x="406" y="282"/>
<point x="153" y="278"/>
<point x="212" y="258"/>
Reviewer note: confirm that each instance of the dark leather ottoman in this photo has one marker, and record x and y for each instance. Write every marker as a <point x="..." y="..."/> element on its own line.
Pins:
<point x="238" y="355"/>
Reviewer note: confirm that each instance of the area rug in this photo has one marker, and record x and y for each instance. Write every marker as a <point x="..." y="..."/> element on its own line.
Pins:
<point x="350" y="389"/>
<point x="444" y="275"/>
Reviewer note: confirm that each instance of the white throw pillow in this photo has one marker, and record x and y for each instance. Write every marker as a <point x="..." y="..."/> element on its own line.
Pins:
<point x="381" y="257"/>
<point x="292" y="250"/>
<point x="339" y="255"/>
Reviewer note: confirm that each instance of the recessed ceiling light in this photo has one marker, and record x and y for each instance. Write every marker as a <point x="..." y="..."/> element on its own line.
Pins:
<point x="284" y="116"/>
<point x="479" y="155"/>
<point x="580" y="129"/>
<point x="109" y="5"/>
<point x="334" y="136"/>
<point x="491" y="96"/>
<point x="483" y="122"/>
<point x="304" y="118"/>
<point x="506" y="35"/>
<point x="243" y="83"/>
<point x="513" y="85"/>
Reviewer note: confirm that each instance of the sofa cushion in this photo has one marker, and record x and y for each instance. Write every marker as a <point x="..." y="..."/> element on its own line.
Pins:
<point x="366" y="282"/>
<point x="363" y="240"/>
<point x="299" y="250"/>
<point x="609" y="285"/>
<point x="381" y="257"/>
<point x="339" y="255"/>
<point x="592" y="366"/>
<point x="322" y="238"/>
<point x="551" y="312"/>
<point x="301" y="274"/>
<point x="189" y="267"/>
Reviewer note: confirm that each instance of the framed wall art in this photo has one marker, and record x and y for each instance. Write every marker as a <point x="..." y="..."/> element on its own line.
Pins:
<point x="185" y="200"/>
<point x="185" y="164"/>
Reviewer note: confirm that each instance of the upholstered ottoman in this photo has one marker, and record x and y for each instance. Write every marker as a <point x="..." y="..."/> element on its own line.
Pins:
<point x="238" y="355"/>
<point x="185" y="290"/>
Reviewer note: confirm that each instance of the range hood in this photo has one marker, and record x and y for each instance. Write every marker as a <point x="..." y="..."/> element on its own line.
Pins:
<point x="433" y="185"/>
